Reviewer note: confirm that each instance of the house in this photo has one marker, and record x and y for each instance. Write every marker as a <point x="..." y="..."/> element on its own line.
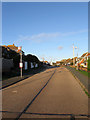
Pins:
<point x="12" y="47"/>
<point x="7" y="65"/>
<point x="82" y="61"/>
<point x="57" y="63"/>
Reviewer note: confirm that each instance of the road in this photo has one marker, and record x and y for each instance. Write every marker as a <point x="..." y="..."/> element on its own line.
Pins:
<point x="54" y="93"/>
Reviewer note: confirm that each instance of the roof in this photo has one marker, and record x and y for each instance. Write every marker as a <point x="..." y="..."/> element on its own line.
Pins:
<point x="12" y="47"/>
<point x="85" y="54"/>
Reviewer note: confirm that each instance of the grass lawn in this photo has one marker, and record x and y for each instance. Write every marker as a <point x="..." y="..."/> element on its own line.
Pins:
<point x="85" y="73"/>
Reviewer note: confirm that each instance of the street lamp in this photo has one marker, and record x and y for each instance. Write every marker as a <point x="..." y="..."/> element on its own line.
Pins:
<point x="20" y="64"/>
<point x="73" y="55"/>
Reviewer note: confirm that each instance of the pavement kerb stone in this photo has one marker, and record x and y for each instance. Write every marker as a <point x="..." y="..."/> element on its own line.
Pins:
<point x="83" y="87"/>
<point x="20" y="79"/>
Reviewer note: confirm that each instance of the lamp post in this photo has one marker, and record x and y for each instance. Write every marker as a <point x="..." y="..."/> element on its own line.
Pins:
<point x="73" y="56"/>
<point x="20" y="64"/>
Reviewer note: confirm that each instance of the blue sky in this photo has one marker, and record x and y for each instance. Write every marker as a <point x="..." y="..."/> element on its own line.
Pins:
<point x="46" y="29"/>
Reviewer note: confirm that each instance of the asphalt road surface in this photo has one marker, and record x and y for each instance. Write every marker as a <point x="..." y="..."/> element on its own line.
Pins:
<point x="54" y="93"/>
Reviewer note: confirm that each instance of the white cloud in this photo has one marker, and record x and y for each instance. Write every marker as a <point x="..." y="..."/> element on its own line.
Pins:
<point x="45" y="36"/>
<point x="41" y="35"/>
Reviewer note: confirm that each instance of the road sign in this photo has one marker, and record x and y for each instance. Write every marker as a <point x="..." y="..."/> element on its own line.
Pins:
<point x="19" y="48"/>
<point x="21" y="65"/>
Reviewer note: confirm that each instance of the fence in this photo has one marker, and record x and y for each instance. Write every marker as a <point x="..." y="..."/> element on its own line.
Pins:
<point x="81" y="68"/>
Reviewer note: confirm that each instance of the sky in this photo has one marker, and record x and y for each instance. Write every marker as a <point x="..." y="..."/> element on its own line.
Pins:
<point x="46" y="29"/>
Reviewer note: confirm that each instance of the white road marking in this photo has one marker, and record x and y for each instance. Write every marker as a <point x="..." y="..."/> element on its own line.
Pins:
<point x="15" y="91"/>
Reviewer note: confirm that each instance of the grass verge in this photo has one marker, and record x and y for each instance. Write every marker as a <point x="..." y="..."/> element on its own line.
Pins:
<point x="86" y="93"/>
<point x="85" y="73"/>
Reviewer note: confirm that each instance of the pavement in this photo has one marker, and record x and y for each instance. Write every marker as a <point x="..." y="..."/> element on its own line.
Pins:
<point x="53" y="93"/>
<point x="14" y="80"/>
<point x="83" y="79"/>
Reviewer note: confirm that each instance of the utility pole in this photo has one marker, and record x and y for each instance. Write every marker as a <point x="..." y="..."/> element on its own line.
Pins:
<point x="21" y="62"/>
<point x="43" y="59"/>
<point x="51" y="61"/>
<point x="73" y="56"/>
